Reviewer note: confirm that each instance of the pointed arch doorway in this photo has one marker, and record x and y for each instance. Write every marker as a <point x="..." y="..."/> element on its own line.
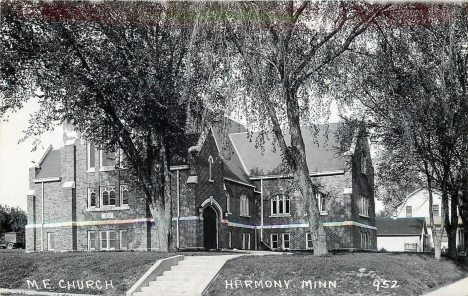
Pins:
<point x="210" y="228"/>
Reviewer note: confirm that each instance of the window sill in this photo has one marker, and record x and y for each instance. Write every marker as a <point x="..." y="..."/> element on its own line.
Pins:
<point x="107" y="168"/>
<point x="280" y="215"/>
<point x="321" y="214"/>
<point x="364" y="216"/>
<point x="91" y="170"/>
<point x="246" y="216"/>
<point x="108" y="208"/>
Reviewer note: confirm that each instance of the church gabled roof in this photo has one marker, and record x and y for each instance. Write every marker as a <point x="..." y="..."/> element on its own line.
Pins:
<point x="322" y="151"/>
<point x="50" y="166"/>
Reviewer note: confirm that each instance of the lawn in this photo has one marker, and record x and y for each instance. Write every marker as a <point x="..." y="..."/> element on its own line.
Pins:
<point x="122" y="268"/>
<point x="340" y="274"/>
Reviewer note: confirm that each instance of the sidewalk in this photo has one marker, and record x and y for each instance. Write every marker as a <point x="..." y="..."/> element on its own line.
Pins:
<point x="459" y="288"/>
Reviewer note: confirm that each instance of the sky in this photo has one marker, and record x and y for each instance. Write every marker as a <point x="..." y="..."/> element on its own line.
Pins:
<point x="16" y="158"/>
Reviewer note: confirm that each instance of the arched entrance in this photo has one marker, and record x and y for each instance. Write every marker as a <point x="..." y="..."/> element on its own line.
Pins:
<point x="210" y="228"/>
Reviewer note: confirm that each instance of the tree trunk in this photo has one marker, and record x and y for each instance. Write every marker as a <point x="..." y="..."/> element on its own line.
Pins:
<point x="464" y="218"/>
<point x="453" y="226"/>
<point x="435" y="239"/>
<point x="161" y="205"/>
<point x="463" y="205"/>
<point x="298" y="161"/>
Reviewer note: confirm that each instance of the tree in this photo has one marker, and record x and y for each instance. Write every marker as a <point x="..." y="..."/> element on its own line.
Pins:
<point x="414" y="90"/>
<point x="12" y="219"/>
<point x="117" y="71"/>
<point x="276" y="53"/>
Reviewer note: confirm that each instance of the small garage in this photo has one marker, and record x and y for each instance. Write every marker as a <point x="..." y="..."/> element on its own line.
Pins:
<point x="402" y="234"/>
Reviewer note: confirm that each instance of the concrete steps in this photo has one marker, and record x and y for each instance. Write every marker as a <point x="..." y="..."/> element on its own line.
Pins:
<point x="189" y="278"/>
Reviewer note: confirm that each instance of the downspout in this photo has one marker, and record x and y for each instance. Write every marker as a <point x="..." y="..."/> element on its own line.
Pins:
<point x="178" y="210"/>
<point x="42" y="219"/>
<point x="261" y="210"/>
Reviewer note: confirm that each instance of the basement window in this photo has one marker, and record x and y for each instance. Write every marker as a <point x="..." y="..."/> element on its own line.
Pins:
<point x="309" y="242"/>
<point x="107" y="240"/>
<point x="274" y="241"/>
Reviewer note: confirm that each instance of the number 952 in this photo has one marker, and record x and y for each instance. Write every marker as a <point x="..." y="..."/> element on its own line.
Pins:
<point x="385" y="284"/>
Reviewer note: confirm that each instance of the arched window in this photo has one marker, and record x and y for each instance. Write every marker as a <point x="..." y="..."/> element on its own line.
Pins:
<point x="244" y="205"/>
<point x="91" y="198"/>
<point x="280" y="205"/>
<point x="210" y="168"/>
<point x="123" y="195"/>
<point x="112" y="198"/>
<point x="108" y="196"/>
<point x="364" y="162"/>
<point x="228" y="202"/>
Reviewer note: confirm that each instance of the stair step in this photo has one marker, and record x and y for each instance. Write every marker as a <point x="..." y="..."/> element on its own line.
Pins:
<point x="163" y="283"/>
<point x="185" y="272"/>
<point x="165" y="294"/>
<point x="192" y="267"/>
<point x="175" y="289"/>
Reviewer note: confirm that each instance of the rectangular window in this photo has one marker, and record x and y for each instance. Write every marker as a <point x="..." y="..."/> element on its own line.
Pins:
<point x="124" y="195"/>
<point x="91" y="157"/>
<point x="363" y="206"/>
<point x="228" y="202"/>
<point x="309" y="242"/>
<point x="321" y="203"/>
<point x="286" y="245"/>
<point x="108" y="160"/>
<point x="123" y="240"/>
<point x="246" y="241"/>
<point x="274" y="241"/>
<point x="435" y="210"/>
<point x="244" y="205"/>
<point x="50" y="241"/>
<point x="107" y="239"/>
<point x="91" y="240"/>
<point x="363" y="240"/>
<point x="230" y="240"/>
<point x="409" y="211"/>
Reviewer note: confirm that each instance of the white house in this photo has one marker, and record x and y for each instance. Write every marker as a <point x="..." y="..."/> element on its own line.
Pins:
<point x="416" y="204"/>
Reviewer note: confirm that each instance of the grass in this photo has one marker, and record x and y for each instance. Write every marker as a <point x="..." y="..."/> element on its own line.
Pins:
<point x="122" y="268"/>
<point x="354" y="273"/>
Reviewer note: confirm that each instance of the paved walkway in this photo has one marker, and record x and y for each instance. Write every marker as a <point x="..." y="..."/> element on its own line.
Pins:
<point x="190" y="277"/>
<point x="459" y="288"/>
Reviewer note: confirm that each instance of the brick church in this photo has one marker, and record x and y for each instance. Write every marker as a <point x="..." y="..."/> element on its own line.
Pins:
<point x="227" y="194"/>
